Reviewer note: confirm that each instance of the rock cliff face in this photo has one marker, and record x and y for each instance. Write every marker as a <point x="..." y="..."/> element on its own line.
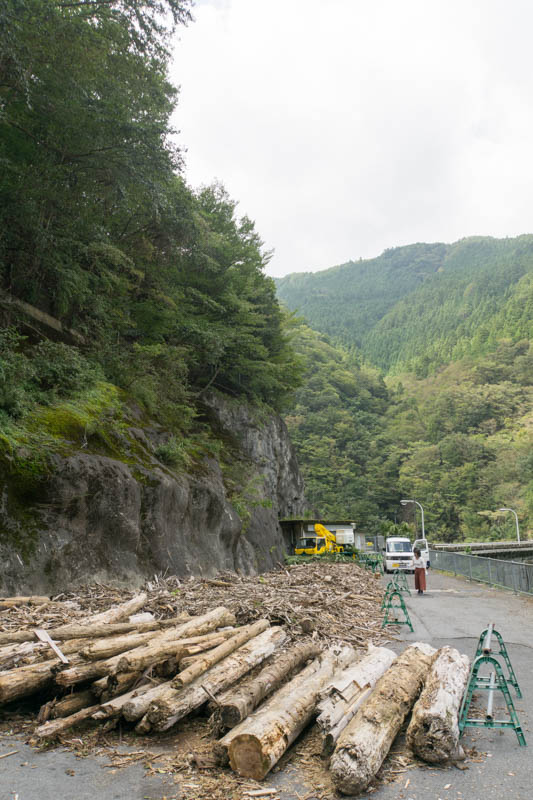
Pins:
<point x="97" y="518"/>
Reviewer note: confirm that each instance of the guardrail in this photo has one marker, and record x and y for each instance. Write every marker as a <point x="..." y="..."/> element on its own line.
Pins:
<point x="513" y="575"/>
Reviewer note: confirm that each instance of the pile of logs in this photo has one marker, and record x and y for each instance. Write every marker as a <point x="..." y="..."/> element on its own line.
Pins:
<point x="262" y="685"/>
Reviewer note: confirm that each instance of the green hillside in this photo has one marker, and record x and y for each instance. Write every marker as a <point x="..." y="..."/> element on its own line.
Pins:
<point x="450" y="329"/>
<point x="418" y="307"/>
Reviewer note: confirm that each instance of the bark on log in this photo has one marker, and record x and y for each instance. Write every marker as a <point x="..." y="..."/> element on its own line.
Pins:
<point x="214" y="656"/>
<point x="113" y="645"/>
<point x="143" y="656"/>
<point x="342" y="698"/>
<point x="119" y="684"/>
<point x="115" y="706"/>
<point x="257" y="743"/>
<point x="366" y="740"/>
<point x="66" y="706"/>
<point x="78" y="673"/>
<point x="77" y="630"/>
<point x="137" y="706"/>
<point x="117" y="613"/>
<point x="32" y="652"/>
<point x="161" y="647"/>
<point x="172" y="704"/>
<point x="23" y="681"/>
<point x="53" y="728"/>
<point x="433" y="733"/>
<point x="235" y="704"/>
<point x="32" y="600"/>
<point x="99" y="687"/>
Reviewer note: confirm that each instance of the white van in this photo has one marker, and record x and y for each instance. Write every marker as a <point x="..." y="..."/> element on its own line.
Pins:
<point x="398" y="554"/>
<point x="422" y="545"/>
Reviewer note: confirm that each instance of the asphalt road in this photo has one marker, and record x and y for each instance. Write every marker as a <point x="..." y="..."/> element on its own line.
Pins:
<point x="452" y="612"/>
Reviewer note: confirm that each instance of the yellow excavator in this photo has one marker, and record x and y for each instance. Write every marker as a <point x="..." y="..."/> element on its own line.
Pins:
<point x="323" y="541"/>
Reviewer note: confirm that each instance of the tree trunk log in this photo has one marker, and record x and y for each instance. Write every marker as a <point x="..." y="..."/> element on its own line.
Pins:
<point x="341" y="699"/>
<point x="433" y="733"/>
<point x="162" y="646"/>
<point x="115" y="706"/>
<point x="117" y="613"/>
<point x="68" y="705"/>
<point x="172" y="704"/>
<point x="113" y="645"/>
<point x="214" y="656"/>
<point x="119" y="684"/>
<point x="236" y="703"/>
<point x="100" y="687"/>
<point x="33" y="652"/>
<point x="23" y="681"/>
<point x="33" y="600"/>
<point x="78" y="673"/>
<point x="53" y="728"/>
<point x="149" y="654"/>
<point x="139" y="703"/>
<point x="366" y="740"/>
<point x="257" y="743"/>
<point x="77" y="630"/>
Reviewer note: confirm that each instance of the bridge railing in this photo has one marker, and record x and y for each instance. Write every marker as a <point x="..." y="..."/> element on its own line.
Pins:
<point x="514" y="575"/>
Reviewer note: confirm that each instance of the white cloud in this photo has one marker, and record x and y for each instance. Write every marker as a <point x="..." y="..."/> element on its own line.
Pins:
<point x="348" y="126"/>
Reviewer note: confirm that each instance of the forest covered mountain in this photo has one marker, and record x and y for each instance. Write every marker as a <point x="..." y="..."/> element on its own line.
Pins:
<point x="415" y="308"/>
<point x="450" y="421"/>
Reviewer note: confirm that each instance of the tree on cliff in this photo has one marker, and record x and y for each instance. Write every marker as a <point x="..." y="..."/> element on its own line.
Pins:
<point x="99" y="228"/>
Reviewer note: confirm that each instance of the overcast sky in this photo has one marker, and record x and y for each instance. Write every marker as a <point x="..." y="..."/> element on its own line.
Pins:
<point x="343" y="127"/>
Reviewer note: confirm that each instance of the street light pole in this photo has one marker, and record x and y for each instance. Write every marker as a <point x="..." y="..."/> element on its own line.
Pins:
<point x="404" y="503"/>
<point x="516" y="520"/>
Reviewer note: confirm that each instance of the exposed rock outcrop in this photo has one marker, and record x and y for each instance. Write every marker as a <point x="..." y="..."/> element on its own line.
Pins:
<point x="100" y="518"/>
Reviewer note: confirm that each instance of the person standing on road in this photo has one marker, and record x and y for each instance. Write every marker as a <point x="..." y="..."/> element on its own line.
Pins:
<point x="420" y="572"/>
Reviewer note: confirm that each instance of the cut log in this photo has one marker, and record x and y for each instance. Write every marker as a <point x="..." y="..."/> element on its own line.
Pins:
<point x="77" y="630"/>
<point x="79" y="673"/>
<point x="342" y="698"/>
<point x="257" y="743"/>
<point x="99" y="687"/>
<point x="119" y="684"/>
<point x="173" y="704"/>
<point x="24" y="681"/>
<point x="433" y="733"/>
<point x="66" y="706"/>
<point x="214" y="656"/>
<point x="113" y="645"/>
<point x="32" y="600"/>
<point x="56" y="726"/>
<point x="117" y="613"/>
<point x="162" y="646"/>
<point x="366" y="740"/>
<point x="139" y="703"/>
<point x="12" y="654"/>
<point x="149" y="654"/>
<point x="115" y="705"/>
<point x="185" y="663"/>
<point x="32" y="652"/>
<point x="235" y="704"/>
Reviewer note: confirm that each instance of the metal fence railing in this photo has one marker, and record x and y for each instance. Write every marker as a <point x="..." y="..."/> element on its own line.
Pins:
<point x="514" y="575"/>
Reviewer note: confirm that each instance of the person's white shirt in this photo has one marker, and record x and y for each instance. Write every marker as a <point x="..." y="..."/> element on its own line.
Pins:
<point x="419" y="563"/>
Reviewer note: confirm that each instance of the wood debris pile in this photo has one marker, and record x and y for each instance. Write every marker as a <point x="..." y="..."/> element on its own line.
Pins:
<point x="265" y="655"/>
